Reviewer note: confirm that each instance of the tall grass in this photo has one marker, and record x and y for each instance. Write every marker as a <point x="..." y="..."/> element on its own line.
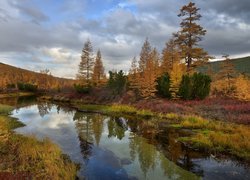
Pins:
<point x="219" y="136"/>
<point x="5" y="110"/>
<point x="117" y="109"/>
<point x="39" y="159"/>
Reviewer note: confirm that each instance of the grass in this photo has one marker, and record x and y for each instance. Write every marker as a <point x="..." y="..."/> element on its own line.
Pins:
<point x="5" y="95"/>
<point x="241" y="65"/>
<point x="193" y="122"/>
<point x="37" y="159"/>
<point x="117" y="109"/>
<point x="5" y="110"/>
<point x="218" y="136"/>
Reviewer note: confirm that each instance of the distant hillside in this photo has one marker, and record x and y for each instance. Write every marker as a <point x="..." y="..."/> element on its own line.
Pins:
<point x="12" y="75"/>
<point x="242" y="65"/>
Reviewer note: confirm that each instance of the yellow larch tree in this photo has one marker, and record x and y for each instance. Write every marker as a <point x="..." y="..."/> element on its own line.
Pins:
<point x="242" y="88"/>
<point x="225" y="77"/>
<point x="134" y="75"/>
<point x="176" y="74"/>
<point x="98" y="77"/>
<point x="149" y="76"/>
<point x="144" y="55"/>
<point x="170" y="55"/>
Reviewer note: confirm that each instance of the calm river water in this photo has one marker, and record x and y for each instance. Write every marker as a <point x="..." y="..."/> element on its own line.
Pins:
<point x="109" y="147"/>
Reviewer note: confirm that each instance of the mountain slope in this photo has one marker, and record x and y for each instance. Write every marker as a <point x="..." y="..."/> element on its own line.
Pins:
<point x="242" y="65"/>
<point x="12" y="75"/>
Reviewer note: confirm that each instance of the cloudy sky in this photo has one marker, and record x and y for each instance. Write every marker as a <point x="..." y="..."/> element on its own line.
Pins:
<point x="39" y="34"/>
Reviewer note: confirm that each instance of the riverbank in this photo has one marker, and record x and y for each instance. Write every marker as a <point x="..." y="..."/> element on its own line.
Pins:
<point x="16" y="94"/>
<point x="221" y="109"/>
<point x="212" y="135"/>
<point x="26" y="157"/>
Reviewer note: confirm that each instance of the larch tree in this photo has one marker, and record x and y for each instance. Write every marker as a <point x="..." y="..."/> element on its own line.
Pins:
<point x="170" y="55"/>
<point x="148" y="76"/>
<point x="176" y="74"/>
<point x="98" y="72"/>
<point x="190" y="35"/>
<point x="242" y="88"/>
<point x="86" y="65"/>
<point x="155" y="56"/>
<point x="144" y="55"/>
<point x="133" y="76"/>
<point x="227" y="73"/>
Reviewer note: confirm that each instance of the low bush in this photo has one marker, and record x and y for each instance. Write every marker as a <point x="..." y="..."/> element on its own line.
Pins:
<point x="117" y="82"/>
<point x="185" y="89"/>
<point x="196" y="86"/>
<point x="11" y="86"/>
<point x="27" y="87"/>
<point x="163" y="85"/>
<point x="200" y="86"/>
<point x="82" y="88"/>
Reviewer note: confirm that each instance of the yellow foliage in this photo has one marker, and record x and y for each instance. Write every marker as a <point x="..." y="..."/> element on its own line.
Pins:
<point x="98" y="76"/>
<point x="170" y="55"/>
<point x="134" y="76"/>
<point x="220" y="87"/>
<point x="149" y="76"/>
<point x="40" y="159"/>
<point x="242" y="88"/>
<point x="176" y="74"/>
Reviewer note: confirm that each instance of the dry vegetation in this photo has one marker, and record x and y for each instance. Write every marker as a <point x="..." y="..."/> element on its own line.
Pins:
<point x="12" y="75"/>
<point x="29" y="157"/>
<point x="218" y="136"/>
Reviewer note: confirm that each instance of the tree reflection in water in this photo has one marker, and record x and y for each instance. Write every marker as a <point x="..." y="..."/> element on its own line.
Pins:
<point x="120" y="148"/>
<point x="85" y="132"/>
<point x="145" y="143"/>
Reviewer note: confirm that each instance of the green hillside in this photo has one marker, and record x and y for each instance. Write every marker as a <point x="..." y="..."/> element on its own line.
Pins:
<point x="242" y="65"/>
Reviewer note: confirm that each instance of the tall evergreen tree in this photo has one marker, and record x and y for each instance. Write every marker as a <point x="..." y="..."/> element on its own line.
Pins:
<point x="86" y="65"/>
<point x="170" y="55"/>
<point x="144" y="55"/>
<point x="149" y="75"/>
<point x="133" y="76"/>
<point x="155" y="56"/>
<point x="98" y="72"/>
<point x="190" y="35"/>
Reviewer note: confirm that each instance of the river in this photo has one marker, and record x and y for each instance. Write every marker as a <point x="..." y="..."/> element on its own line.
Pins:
<point x="111" y="147"/>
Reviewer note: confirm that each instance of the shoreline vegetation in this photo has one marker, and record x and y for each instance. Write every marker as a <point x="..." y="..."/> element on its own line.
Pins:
<point x="214" y="136"/>
<point x="16" y="94"/>
<point x="26" y="157"/>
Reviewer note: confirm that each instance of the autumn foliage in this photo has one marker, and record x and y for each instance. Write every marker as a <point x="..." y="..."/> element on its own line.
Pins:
<point x="11" y="76"/>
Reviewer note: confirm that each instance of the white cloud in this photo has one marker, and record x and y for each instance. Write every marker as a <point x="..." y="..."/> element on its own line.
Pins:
<point x="119" y="34"/>
<point x="61" y="55"/>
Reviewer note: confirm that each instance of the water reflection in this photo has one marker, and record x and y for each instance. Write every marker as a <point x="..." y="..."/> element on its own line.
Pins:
<point x="119" y="148"/>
